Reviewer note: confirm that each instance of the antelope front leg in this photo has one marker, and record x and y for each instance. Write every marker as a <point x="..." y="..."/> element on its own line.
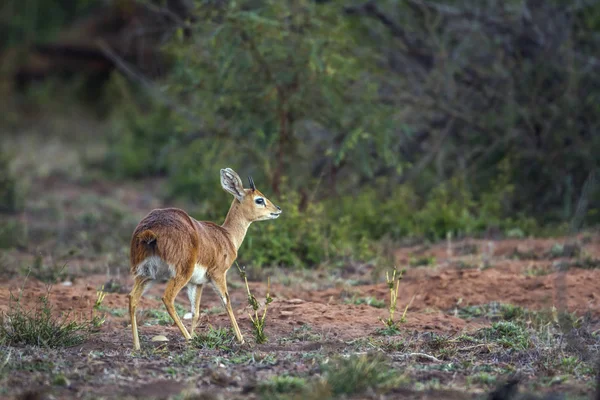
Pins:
<point x="220" y="285"/>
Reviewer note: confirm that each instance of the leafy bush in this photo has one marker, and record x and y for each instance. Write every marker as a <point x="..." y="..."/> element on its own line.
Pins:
<point x="304" y="238"/>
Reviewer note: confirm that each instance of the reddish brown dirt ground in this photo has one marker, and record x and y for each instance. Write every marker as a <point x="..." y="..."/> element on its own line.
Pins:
<point x="524" y="272"/>
<point x="436" y="290"/>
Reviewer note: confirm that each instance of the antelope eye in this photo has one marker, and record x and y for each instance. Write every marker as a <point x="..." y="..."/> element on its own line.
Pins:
<point x="259" y="201"/>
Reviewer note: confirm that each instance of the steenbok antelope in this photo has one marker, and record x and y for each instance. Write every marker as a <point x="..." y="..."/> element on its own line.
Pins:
<point x="168" y="243"/>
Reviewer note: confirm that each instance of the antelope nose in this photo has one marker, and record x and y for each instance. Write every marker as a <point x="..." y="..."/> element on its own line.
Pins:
<point x="279" y="208"/>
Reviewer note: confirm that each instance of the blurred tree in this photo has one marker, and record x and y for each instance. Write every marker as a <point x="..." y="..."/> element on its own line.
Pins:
<point x="288" y="83"/>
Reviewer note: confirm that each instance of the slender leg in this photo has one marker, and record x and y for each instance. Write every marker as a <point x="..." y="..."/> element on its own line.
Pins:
<point x="196" y="306"/>
<point x="134" y="298"/>
<point x="174" y="286"/>
<point x="220" y="285"/>
<point x="191" y="292"/>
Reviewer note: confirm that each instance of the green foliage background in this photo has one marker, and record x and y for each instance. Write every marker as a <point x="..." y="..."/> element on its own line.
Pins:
<point x="370" y="122"/>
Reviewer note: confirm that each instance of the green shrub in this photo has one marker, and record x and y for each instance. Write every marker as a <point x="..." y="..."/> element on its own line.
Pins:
<point x="304" y="238"/>
<point x="297" y="238"/>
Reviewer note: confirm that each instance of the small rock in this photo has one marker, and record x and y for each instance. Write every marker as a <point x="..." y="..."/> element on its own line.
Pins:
<point x="160" y="338"/>
<point x="67" y="283"/>
<point x="188" y="315"/>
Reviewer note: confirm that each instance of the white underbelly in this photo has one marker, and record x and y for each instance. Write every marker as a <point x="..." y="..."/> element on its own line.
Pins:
<point x="199" y="276"/>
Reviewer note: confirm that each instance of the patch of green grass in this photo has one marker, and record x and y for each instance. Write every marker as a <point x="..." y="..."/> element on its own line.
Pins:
<point x="115" y="312"/>
<point x="113" y="286"/>
<point x="569" y="364"/>
<point x="460" y="264"/>
<point x="482" y="378"/>
<point x="370" y="301"/>
<point x="157" y="317"/>
<point x="586" y="262"/>
<point x="395" y="345"/>
<point x="162" y="317"/>
<point x="214" y="310"/>
<point x="357" y="374"/>
<point x="519" y="254"/>
<point x="392" y="330"/>
<point x="568" y="250"/>
<point x="38" y="327"/>
<point x="429" y="385"/>
<point x="186" y="357"/>
<point x="60" y="380"/>
<point x="180" y="310"/>
<point x="251" y="358"/>
<point x="282" y="384"/>
<point x="509" y="312"/>
<point x="34" y="365"/>
<point x="507" y="334"/>
<point x="515" y="233"/>
<point x="303" y="333"/>
<point x="469" y="312"/>
<point x="422" y="261"/>
<point x="536" y="271"/>
<point x="215" y="339"/>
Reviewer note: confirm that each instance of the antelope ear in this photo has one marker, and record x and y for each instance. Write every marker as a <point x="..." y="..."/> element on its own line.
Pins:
<point x="231" y="182"/>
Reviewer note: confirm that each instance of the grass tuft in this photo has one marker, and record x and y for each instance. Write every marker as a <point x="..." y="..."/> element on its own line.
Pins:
<point x="38" y="327"/>
<point x="370" y="301"/>
<point x="357" y="374"/>
<point x="391" y="326"/>
<point x="507" y="334"/>
<point x="215" y="339"/>
<point x="280" y="385"/>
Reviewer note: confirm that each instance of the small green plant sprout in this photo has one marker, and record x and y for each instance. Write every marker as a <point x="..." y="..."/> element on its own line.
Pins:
<point x="391" y="326"/>
<point x="100" y="294"/>
<point x="258" y="322"/>
<point x="98" y="320"/>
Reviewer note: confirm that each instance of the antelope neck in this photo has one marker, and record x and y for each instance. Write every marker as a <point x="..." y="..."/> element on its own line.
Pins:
<point x="236" y="224"/>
